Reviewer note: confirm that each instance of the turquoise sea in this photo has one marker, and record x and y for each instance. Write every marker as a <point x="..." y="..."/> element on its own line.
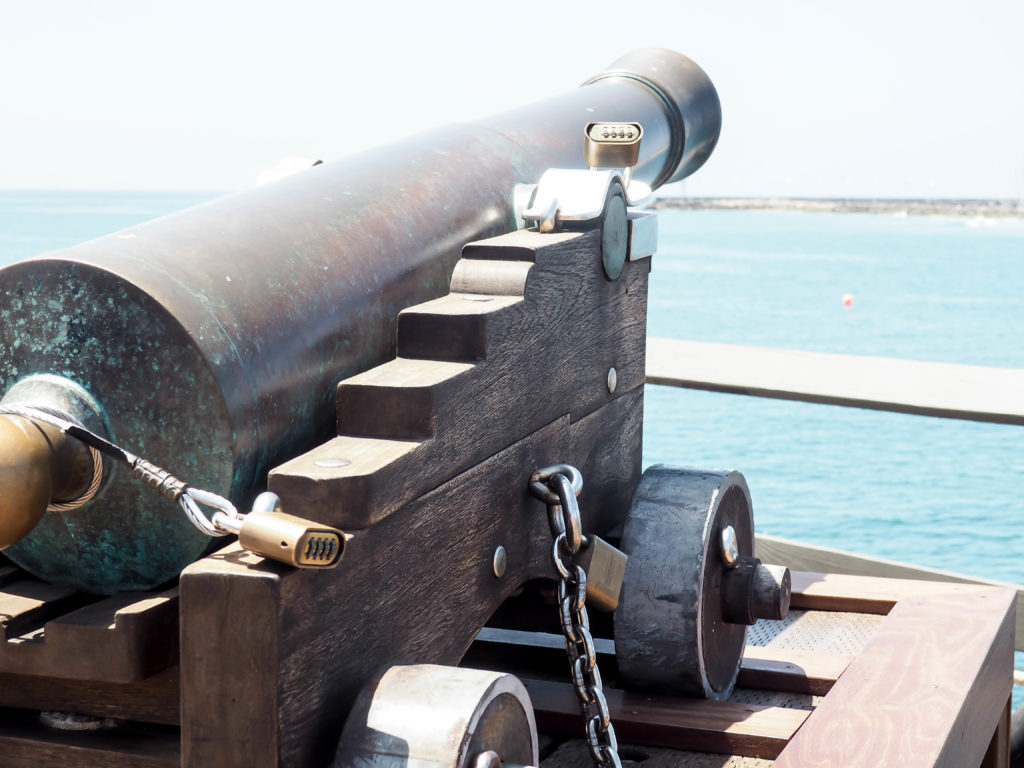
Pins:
<point x="941" y="493"/>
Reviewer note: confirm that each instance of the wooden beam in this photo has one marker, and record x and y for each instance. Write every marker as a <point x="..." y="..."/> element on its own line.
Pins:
<point x="750" y="730"/>
<point x="782" y="669"/>
<point x="152" y="700"/>
<point x="929" y="687"/>
<point x="26" y="743"/>
<point x="950" y="391"/>
<point x="805" y="557"/>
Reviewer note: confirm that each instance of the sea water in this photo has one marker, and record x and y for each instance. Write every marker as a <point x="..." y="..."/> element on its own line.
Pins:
<point x="936" y="492"/>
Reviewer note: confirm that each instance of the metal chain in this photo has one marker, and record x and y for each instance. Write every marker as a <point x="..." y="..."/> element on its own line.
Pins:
<point x="160" y="480"/>
<point x="554" y="486"/>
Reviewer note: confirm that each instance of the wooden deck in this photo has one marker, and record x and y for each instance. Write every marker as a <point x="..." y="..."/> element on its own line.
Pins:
<point x="866" y="672"/>
<point x="927" y="684"/>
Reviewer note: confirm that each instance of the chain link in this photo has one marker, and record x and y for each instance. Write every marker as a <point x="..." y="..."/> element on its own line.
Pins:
<point x="557" y="487"/>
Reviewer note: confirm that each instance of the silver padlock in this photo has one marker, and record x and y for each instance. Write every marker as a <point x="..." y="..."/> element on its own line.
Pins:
<point x="605" y="567"/>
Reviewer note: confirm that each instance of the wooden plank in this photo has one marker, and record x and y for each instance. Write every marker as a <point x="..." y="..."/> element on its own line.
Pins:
<point x="230" y="627"/>
<point x="153" y="700"/>
<point x="764" y="668"/>
<point x="60" y="633"/>
<point x="25" y="743"/>
<point x="725" y="727"/>
<point x="950" y="391"/>
<point x="285" y="658"/>
<point x="26" y="604"/>
<point x="928" y="688"/>
<point x="998" y="754"/>
<point x="869" y="594"/>
<point x="781" y="669"/>
<point x="532" y="361"/>
<point x="807" y="557"/>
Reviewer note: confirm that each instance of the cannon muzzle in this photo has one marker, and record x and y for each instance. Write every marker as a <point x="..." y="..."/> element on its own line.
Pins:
<point x="212" y="340"/>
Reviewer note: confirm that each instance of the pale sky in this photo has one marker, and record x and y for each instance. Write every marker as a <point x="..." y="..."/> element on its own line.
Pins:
<point x="867" y="98"/>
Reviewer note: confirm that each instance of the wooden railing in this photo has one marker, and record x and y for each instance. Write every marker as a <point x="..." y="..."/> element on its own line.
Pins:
<point x="949" y="391"/>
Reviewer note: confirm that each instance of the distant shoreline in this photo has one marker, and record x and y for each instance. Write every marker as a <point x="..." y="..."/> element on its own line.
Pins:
<point x="909" y="207"/>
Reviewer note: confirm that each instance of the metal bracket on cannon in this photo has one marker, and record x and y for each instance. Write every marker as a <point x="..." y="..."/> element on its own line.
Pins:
<point x="572" y="199"/>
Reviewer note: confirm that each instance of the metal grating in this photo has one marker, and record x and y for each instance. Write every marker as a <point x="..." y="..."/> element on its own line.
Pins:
<point x="820" y="631"/>
<point x="775" y="698"/>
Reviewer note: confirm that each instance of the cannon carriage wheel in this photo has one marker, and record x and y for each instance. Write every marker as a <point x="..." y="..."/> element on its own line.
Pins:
<point x="670" y="633"/>
<point x="432" y="715"/>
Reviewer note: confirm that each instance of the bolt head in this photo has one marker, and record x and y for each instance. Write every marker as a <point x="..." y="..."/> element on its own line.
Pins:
<point x="500" y="562"/>
<point x="730" y="546"/>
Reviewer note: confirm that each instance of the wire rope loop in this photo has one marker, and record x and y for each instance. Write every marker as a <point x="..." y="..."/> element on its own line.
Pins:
<point x="62" y="420"/>
<point x="190" y="500"/>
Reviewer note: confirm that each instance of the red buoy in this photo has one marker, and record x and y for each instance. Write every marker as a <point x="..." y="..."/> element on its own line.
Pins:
<point x="847" y="300"/>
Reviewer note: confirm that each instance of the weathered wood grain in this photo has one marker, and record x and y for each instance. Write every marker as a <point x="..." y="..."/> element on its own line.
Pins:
<point x="231" y="622"/>
<point x="152" y="700"/>
<point x="667" y="721"/>
<point x="283" y="653"/>
<point x="950" y="391"/>
<point x="781" y="669"/>
<point x="54" y="631"/>
<point x="27" y="604"/>
<point x="532" y="360"/>
<point x="534" y="654"/>
<point x="868" y="594"/>
<point x="575" y="754"/>
<point x="25" y="743"/>
<point x="928" y="688"/>
<point x="806" y="557"/>
<point x="998" y="754"/>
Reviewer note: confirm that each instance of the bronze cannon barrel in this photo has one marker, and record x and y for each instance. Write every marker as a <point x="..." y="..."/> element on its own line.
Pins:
<point x="211" y="341"/>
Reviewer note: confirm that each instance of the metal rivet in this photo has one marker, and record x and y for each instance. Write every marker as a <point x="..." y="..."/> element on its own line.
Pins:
<point x="332" y="462"/>
<point x="500" y="562"/>
<point x="730" y="547"/>
<point x="613" y="380"/>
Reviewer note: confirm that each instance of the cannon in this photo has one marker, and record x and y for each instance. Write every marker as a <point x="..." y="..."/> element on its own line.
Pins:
<point x="419" y="353"/>
<point x="211" y="340"/>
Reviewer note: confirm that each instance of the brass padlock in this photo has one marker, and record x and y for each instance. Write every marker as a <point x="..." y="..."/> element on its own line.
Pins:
<point x="605" y="567"/>
<point x="292" y="540"/>
<point x="288" y="539"/>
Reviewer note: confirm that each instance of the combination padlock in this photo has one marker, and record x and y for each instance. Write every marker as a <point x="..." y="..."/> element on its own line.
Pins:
<point x="286" y="538"/>
<point x="605" y="567"/>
